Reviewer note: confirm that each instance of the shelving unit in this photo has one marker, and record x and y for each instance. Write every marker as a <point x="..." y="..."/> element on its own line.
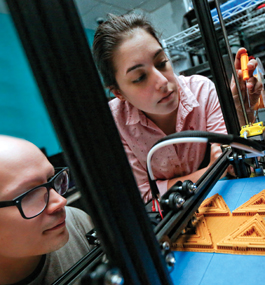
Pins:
<point x="244" y="19"/>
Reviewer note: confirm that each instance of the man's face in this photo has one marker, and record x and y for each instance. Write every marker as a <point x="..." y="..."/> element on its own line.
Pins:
<point x="21" y="169"/>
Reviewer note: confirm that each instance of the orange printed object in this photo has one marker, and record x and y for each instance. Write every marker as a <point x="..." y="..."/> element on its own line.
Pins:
<point x="244" y="65"/>
<point x="218" y="230"/>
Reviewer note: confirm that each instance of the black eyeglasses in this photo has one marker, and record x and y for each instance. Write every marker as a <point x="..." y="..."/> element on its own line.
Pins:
<point x="33" y="202"/>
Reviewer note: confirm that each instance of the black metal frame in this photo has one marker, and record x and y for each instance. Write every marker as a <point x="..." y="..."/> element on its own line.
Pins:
<point x="59" y="55"/>
<point x="222" y="83"/>
<point x="214" y="56"/>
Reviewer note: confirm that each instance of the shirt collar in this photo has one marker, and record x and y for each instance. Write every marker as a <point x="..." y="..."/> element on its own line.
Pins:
<point x="133" y="114"/>
<point x="187" y="98"/>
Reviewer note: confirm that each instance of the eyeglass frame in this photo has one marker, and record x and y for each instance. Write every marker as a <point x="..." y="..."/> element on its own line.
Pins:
<point x="48" y="185"/>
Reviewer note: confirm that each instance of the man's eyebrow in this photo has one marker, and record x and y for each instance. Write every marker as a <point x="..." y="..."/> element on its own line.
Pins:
<point x="140" y="65"/>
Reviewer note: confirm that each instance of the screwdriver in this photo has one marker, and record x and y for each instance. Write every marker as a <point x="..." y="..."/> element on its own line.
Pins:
<point x="244" y="67"/>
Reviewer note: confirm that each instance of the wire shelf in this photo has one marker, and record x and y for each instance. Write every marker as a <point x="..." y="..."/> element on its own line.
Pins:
<point x="241" y="18"/>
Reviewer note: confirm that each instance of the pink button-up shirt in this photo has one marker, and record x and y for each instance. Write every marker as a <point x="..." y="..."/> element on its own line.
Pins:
<point x="198" y="109"/>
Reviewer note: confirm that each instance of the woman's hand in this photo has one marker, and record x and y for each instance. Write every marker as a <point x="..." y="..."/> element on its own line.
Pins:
<point x="253" y="85"/>
<point x="216" y="151"/>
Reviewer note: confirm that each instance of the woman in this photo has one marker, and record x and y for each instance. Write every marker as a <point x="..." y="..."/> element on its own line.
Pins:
<point x="153" y="102"/>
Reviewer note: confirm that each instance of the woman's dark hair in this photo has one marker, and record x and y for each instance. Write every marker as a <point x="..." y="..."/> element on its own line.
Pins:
<point x="109" y="36"/>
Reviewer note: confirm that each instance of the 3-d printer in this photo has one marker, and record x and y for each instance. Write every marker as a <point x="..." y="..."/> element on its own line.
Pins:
<point x="60" y="58"/>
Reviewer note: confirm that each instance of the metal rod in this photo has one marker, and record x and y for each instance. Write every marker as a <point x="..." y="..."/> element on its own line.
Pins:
<point x="231" y="60"/>
<point x="217" y="66"/>
<point x="58" y="52"/>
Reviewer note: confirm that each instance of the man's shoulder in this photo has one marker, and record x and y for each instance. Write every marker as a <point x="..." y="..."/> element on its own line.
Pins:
<point x="78" y="219"/>
<point x="73" y="213"/>
<point x="78" y="224"/>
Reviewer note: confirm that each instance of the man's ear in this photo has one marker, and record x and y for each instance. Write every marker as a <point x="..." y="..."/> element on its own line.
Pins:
<point x="117" y="93"/>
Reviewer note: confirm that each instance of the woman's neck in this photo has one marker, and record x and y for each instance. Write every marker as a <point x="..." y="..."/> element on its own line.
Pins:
<point x="13" y="270"/>
<point x="167" y="123"/>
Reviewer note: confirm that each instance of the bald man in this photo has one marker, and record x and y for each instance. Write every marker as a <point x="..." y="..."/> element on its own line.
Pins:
<point x="40" y="238"/>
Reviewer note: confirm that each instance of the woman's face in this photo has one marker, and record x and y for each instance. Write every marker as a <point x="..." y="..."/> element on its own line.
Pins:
<point x="144" y="75"/>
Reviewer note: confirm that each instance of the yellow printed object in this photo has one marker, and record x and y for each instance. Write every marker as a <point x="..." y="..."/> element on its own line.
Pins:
<point x="252" y="130"/>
